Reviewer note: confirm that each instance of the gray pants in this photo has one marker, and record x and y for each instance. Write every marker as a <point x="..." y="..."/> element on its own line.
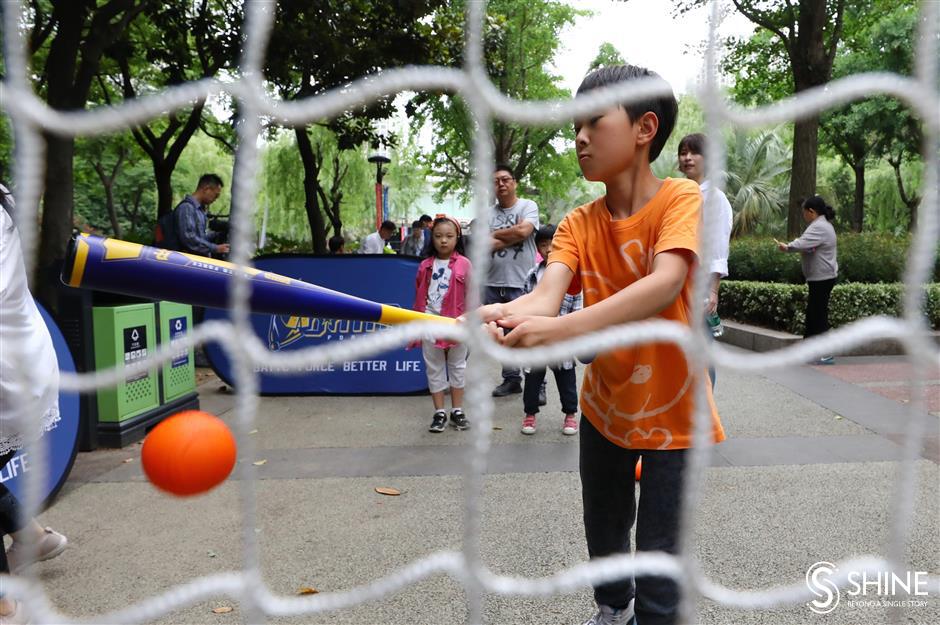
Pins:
<point x="504" y="295"/>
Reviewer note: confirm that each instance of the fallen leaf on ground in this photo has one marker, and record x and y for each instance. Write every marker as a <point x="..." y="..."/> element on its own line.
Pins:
<point x="126" y="460"/>
<point x="211" y="554"/>
<point x="223" y="610"/>
<point x="838" y="417"/>
<point x="307" y="590"/>
<point x="384" y="490"/>
<point x="259" y="463"/>
<point x="253" y="432"/>
<point x="496" y="427"/>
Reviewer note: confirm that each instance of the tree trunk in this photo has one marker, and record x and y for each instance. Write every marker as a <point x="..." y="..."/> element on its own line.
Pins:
<point x="803" y="172"/>
<point x="858" y="206"/>
<point x="311" y="191"/>
<point x="912" y="201"/>
<point x="57" y="208"/>
<point x="163" y="176"/>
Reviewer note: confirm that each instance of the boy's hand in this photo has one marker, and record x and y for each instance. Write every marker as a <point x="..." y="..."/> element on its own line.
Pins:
<point x="491" y="312"/>
<point x="530" y="331"/>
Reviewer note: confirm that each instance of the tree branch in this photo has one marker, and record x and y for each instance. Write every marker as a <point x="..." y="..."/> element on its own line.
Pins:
<point x="218" y="137"/>
<point x="189" y="129"/>
<point x="460" y="170"/>
<point x="40" y="31"/>
<point x="765" y="23"/>
<point x="836" y="33"/>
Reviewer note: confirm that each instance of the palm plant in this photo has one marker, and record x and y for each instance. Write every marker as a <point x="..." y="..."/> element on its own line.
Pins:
<point x="758" y="172"/>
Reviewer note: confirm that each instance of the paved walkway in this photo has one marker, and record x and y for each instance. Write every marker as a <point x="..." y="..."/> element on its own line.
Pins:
<point x="807" y="475"/>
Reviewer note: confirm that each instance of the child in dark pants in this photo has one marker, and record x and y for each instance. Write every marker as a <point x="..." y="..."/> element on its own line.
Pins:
<point x="632" y="253"/>
<point x="565" y="376"/>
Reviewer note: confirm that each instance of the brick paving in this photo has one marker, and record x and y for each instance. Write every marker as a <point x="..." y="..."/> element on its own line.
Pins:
<point x="888" y="376"/>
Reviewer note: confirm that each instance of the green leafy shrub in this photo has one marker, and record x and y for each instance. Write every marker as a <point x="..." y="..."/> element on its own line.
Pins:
<point x="275" y="244"/>
<point x="865" y="257"/>
<point x="783" y="306"/>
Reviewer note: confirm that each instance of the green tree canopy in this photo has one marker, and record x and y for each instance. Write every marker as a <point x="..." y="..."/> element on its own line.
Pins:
<point x="798" y="40"/>
<point x="607" y="55"/>
<point x="879" y="125"/>
<point x="309" y="54"/>
<point x="521" y="39"/>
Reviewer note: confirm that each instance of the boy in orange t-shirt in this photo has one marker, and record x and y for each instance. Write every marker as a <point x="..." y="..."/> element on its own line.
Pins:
<point x="633" y="254"/>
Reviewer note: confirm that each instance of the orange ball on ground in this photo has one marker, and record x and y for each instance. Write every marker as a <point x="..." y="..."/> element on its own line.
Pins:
<point x="189" y="453"/>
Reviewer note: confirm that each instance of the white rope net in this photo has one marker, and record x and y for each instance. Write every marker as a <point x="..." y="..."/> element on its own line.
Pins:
<point x="31" y="116"/>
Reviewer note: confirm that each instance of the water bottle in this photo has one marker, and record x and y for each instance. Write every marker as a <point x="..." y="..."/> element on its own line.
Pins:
<point x="714" y="323"/>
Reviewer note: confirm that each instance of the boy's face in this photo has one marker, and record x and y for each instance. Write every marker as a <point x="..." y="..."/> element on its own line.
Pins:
<point x="545" y="247"/>
<point x="691" y="164"/>
<point x="607" y="144"/>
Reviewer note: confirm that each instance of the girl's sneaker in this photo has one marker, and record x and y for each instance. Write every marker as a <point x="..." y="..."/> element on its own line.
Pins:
<point x="52" y="543"/>
<point x="570" y="428"/>
<point x="459" y="420"/>
<point x="528" y="424"/>
<point x="438" y="421"/>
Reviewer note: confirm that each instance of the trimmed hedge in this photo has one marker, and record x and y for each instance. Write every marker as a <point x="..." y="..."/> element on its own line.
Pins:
<point x="783" y="306"/>
<point x="865" y="257"/>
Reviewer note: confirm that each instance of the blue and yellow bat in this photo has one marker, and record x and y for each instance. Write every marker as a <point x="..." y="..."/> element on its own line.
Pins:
<point x="116" y="266"/>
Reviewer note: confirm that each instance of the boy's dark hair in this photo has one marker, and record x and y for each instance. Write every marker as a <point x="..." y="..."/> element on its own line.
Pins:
<point x="335" y="243"/>
<point x="819" y="205"/>
<point x="388" y="225"/>
<point x="694" y="143"/>
<point x="545" y="233"/>
<point x="416" y="223"/>
<point x="506" y="168"/>
<point x="425" y="219"/>
<point x="664" y="107"/>
<point x="460" y="247"/>
<point x="209" y="180"/>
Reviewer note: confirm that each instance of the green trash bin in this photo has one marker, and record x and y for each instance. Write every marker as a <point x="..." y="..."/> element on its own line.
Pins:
<point x="124" y="335"/>
<point x="178" y="375"/>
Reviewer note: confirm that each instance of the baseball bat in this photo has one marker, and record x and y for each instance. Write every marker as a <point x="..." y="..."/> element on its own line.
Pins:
<point x="95" y="262"/>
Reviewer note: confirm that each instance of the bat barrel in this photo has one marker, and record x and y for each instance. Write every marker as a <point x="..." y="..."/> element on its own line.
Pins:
<point x="115" y="266"/>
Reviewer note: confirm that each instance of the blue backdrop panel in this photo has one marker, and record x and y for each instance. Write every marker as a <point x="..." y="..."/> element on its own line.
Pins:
<point x="386" y="279"/>
<point x="61" y="441"/>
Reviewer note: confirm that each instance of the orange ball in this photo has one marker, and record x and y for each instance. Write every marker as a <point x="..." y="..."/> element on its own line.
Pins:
<point x="189" y="453"/>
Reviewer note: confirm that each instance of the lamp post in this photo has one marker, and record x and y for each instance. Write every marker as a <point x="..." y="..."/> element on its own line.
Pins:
<point x="379" y="159"/>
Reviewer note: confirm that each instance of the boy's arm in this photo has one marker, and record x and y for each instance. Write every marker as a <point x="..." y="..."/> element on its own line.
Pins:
<point x="643" y="299"/>
<point x="544" y="300"/>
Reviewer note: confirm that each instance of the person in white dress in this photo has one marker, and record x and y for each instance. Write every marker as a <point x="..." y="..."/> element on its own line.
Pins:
<point x="26" y="412"/>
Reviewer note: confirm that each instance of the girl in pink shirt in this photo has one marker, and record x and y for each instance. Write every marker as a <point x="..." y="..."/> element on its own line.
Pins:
<point x="441" y="289"/>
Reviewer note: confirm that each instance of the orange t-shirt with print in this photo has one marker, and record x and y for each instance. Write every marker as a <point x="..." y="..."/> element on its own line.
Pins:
<point x="639" y="397"/>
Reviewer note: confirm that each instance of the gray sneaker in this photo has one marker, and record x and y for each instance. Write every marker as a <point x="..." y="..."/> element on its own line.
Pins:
<point x="607" y="615"/>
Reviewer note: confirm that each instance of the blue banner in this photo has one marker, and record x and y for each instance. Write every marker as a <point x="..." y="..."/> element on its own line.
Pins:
<point x="386" y="279"/>
<point x="61" y="441"/>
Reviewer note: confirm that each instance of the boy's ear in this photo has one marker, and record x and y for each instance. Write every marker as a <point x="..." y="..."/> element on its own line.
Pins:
<point x="647" y="126"/>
